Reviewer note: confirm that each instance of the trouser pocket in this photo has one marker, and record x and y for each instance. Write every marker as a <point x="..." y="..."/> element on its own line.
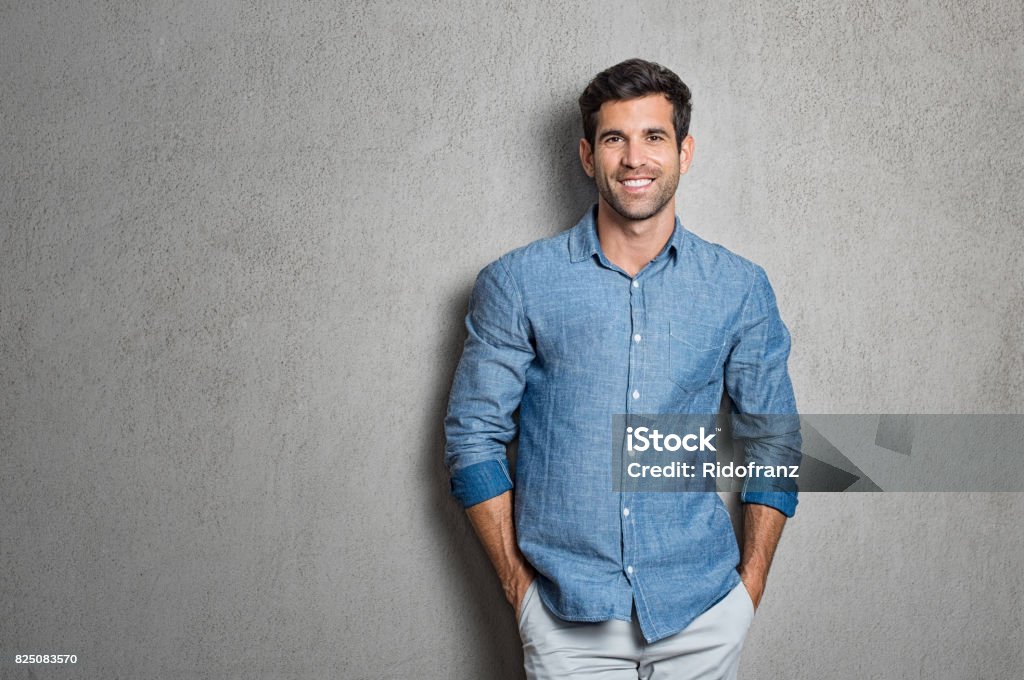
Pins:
<point x="527" y="598"/>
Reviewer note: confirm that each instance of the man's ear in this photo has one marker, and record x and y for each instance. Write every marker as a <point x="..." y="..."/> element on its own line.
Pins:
<point x="586" y="157"/>
<point x="685" y="154"/>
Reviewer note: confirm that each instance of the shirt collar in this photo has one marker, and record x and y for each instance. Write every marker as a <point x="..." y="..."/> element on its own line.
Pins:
<point x="583" y="243"/>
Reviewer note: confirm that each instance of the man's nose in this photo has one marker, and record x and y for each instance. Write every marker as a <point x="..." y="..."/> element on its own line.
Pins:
<point x="634" y="156"/>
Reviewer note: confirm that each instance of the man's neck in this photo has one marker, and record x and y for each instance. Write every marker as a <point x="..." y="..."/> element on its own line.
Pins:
<point x="631" y="244"/>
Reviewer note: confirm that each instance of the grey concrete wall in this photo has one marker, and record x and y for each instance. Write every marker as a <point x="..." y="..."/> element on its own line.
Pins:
<point x="237" y="243"/>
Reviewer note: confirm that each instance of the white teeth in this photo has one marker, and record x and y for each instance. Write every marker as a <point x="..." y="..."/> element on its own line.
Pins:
<point x="637" y="182"/>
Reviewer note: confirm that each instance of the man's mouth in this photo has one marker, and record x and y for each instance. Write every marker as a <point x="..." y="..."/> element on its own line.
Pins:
<point x="637" y="182"/>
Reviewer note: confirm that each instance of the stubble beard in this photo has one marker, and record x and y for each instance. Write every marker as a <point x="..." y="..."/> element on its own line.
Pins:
<point x="637" y="210"/>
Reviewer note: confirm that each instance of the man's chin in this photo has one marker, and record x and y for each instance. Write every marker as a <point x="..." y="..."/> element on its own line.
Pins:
<point x="636" y="213"/>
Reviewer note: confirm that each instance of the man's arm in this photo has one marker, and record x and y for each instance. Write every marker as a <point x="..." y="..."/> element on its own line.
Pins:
<point x="492" y="520"/>
<point x="765" y="418"/>
<point x="487" y="388"/>
<point x="486" y="391"/>
<point x="762" y="528"/>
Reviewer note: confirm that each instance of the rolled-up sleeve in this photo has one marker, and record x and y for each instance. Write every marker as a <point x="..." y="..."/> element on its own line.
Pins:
<point x="487" y="388"/>
<point x="757" y="379"/>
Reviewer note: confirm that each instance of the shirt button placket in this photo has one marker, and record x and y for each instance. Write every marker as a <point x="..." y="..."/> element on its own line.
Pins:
<point x="634" y="398"/>
<point x="634" y="357"/>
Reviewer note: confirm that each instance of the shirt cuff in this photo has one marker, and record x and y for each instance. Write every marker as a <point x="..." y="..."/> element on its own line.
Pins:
<point x="480" y="482"/>
<point x="783" y="501"/>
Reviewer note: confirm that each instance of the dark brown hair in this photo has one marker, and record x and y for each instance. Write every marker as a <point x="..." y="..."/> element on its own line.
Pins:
<point x="631" y="79"/>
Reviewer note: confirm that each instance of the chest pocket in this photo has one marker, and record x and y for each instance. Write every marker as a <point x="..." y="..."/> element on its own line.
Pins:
<point x="695" y="354"/>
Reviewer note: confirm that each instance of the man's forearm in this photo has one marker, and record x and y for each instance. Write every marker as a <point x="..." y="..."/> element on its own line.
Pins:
<point x="762" y="529"/>
<point x="492" y="520"/>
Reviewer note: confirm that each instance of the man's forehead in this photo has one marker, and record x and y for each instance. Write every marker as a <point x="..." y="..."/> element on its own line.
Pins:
<point x="654" y="110"/>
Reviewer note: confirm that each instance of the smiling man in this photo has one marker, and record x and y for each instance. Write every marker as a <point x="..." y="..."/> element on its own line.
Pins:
<point x="637" y="160"/>
<point x="625" y="313"/>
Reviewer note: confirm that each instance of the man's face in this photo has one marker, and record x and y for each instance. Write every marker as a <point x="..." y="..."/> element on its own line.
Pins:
<point x="635" y="160"/>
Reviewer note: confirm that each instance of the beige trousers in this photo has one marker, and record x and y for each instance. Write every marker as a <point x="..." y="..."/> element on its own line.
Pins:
<point x="708" y="649"/>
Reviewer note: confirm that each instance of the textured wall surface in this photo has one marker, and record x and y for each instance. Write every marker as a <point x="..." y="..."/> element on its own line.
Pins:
<point x="237" y="243"/>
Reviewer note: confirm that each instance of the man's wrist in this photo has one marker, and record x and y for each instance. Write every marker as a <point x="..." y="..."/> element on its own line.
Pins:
<point x="518" y="582"/>
<point x="516" y="587"/>
<point x="752" y="576"/>
<point x="754" y="581"/>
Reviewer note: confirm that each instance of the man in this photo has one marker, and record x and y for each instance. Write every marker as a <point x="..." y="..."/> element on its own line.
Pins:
<point x="625" y="313"/>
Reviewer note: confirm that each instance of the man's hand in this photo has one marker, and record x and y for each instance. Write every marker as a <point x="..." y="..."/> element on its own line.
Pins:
<point x="762" y="528"/>
<point x="493" y="523"/>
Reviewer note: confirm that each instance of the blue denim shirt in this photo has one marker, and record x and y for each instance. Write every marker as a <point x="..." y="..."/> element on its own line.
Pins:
<point x="569" y="339"/>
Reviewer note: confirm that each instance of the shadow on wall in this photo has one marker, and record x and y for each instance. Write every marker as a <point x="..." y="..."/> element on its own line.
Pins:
<point x="487" y="632"/>
<point x="577" y="192"/>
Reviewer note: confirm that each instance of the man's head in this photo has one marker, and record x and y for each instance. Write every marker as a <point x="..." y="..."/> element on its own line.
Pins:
<point x="632" y="79"/>
<point x="636" y="118"/>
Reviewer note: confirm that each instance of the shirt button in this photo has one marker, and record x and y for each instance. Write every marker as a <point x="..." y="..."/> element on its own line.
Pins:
<point x="636" y="284"/>
<point x="636" y="338"/>
<point x="625" y="512"/>
<point x="629" y="569"/>
<point x="636" y="394"/>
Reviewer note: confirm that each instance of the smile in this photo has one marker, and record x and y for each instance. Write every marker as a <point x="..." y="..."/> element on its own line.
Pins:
<point x="637" y="182"/>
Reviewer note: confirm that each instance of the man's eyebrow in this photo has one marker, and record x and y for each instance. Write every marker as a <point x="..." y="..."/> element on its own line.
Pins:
<point x="647" y="132"/>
